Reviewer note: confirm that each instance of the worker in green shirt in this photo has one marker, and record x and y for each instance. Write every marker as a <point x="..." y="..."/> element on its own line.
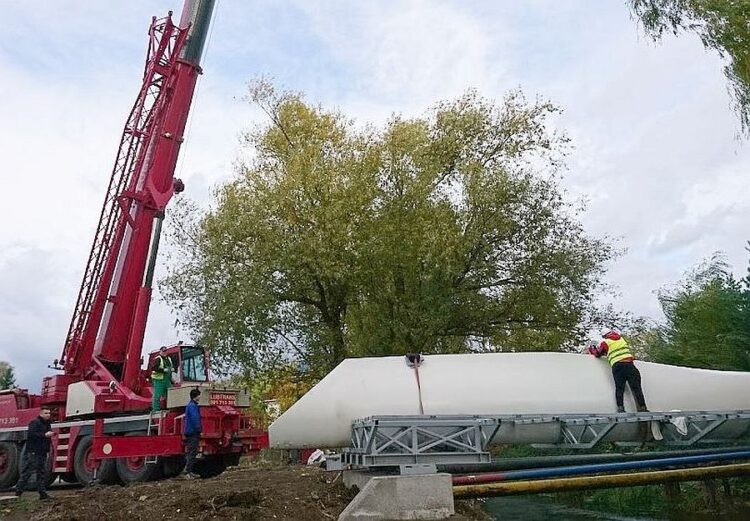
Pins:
<point x="161" y="378"/>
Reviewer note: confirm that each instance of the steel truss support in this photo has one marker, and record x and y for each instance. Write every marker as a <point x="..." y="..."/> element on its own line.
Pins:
<point x="678" y="428"/>
<point x="392" y="441"/>
<point x="412" y="440"/>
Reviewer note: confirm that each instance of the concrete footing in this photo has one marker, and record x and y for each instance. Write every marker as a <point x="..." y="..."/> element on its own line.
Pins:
<point x="427" y="496"/>
<point x="359" y="478"/>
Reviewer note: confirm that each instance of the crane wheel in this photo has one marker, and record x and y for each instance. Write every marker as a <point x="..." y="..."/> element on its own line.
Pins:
<point x="84" y="465"/>
<point x="210" y="467"/>
<point x="69" y="477"/>
<point x="10" y="464"/>
<point x="135" y="469"/>
<point x="172" y="466"/>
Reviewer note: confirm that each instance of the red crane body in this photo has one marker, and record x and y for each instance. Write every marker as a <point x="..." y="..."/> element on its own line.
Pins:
<point x="102" y="386"/>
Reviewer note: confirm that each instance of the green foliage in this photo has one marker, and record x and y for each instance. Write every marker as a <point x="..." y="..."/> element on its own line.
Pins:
<point x="707" y="320"/>
<point x="722" y="25"/>
<point x="633" y="501"/>
<point x="445" y="233"/>
<point x="651" y="502"/>
<point x="7" y="376"/>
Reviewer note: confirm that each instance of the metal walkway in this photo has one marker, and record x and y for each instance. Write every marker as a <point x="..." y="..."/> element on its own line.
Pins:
<point x="393" y="441"/>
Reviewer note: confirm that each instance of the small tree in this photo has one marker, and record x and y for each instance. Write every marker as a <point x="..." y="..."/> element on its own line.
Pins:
<point x="7" y="376"/>
<point x="707" y="320"/>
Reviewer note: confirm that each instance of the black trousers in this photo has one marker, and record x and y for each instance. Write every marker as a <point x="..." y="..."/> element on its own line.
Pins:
<point x="191" y="450"/>
<point x="33" y="462"/>
<point x="627" y="372"/>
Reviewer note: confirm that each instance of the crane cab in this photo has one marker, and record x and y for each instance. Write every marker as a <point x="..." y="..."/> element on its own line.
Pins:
<point x="190" y="364"/>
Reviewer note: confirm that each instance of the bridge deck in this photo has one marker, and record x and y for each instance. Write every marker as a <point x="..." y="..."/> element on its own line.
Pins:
<point x="392" y="441"/>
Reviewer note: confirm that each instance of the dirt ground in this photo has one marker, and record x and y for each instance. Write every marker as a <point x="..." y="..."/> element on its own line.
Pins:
<point x="280" y="493"/>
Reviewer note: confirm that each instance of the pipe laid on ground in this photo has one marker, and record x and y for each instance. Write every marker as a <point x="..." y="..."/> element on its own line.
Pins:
<point x="591" y="482"/>
<point x="598" y="468"/>
<point x="505" y="464"/>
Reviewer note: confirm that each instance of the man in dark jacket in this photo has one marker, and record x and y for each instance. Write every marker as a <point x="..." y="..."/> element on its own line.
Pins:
<point x="35" y="457"/>
<point x="192" y="431"/>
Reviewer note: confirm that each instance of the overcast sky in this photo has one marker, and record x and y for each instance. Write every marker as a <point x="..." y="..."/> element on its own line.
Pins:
<point x="655" y="153"/>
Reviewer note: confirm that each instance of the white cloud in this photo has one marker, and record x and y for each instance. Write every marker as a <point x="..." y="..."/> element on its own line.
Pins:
<point x="32" y="315"/>
<point x="405" y="56"/>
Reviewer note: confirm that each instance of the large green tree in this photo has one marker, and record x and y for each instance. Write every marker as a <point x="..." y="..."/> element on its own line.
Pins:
<point x="707" y="320"/>
<point x="722" y="25"/>
<point x="7" y="376"/>
<point x="443" y="233"/>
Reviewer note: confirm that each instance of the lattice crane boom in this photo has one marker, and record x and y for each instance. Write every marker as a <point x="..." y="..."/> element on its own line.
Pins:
<point x="106" y="331"/>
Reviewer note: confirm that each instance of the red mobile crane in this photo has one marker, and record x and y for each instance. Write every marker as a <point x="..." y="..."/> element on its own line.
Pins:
<point x="101" y="401"/>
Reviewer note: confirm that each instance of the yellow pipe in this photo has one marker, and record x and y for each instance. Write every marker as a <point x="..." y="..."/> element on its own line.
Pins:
<point x="632" y="479"/>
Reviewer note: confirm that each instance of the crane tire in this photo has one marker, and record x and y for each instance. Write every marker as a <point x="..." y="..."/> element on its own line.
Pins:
<point x="69" y="477"/>
<point x="10" y="464"/>
<point x="172" y="466"/>
<point x="210" y="466"/>
<point x="84" y="465"/>
<point x="133" y="470"/>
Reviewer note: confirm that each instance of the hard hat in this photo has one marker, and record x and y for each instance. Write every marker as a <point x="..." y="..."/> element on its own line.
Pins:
<point x="607" y="330"/>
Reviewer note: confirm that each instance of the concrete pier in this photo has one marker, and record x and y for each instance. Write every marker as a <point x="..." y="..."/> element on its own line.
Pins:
<point x="397" y="497"/>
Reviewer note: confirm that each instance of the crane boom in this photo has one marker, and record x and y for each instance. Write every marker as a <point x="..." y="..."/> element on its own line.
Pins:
<point x="100" y="402"/>
<point x="106" y="331"/>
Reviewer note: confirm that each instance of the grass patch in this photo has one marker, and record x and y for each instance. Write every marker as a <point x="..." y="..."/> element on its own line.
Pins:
<point x="732" y="495"/>
<point x="692" y="503"/>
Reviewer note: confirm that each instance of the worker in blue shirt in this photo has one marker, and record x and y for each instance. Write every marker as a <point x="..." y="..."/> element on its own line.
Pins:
<point x="192" y="431"/>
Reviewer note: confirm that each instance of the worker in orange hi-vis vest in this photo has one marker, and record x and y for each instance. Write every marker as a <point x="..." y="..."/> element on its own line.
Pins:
<point x="621" y="358"/>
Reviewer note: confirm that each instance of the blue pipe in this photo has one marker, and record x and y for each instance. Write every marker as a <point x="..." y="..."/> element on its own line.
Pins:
<point x="578" y="470"/>
<point x="505" y="464"/>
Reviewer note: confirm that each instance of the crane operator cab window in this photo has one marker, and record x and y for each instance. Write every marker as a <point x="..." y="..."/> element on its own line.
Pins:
<point x="193" y="365"/>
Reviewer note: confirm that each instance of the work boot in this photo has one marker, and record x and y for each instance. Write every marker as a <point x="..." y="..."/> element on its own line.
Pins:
<point x="19" y="493"/>
<point x="44" y="496"/>
<point x="620" y="408"/>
